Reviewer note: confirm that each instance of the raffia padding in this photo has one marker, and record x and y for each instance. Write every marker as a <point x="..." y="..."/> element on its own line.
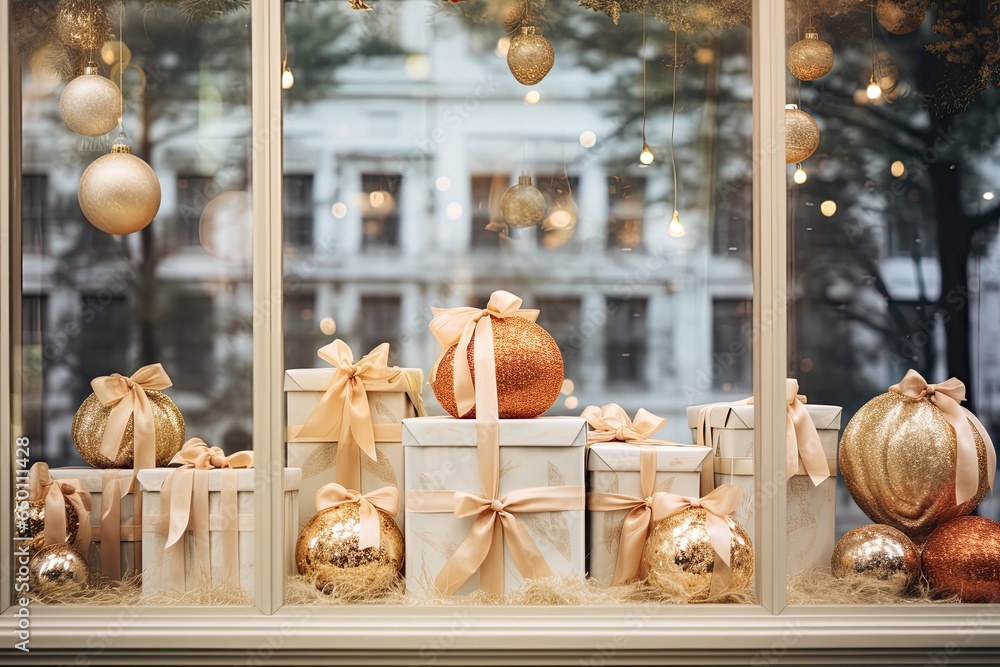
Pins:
<point x="128" y="592"/>
<point x="819" y="586"/>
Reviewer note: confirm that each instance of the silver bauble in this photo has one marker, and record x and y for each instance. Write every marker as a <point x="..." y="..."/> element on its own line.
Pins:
<point x="119" y="193"/>
<point x="90" y="104"/>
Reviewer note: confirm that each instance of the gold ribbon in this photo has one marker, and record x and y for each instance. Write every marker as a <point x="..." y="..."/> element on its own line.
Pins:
<point x="385" y="499"/>
<point x="41" y="487"/>
<point x="948" y="397"/>
<point x="126" y="396"/>
<point x="610" y="423"/>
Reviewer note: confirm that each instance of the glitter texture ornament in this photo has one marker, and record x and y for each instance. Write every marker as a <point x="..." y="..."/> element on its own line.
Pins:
<point x="879" y="552"/>
<point x="56" y="570"/>
<point x="897" y="458"/>
<point x="962" y="558"/>
<point x="900" y="17"/>
<point x="810" y="58"/>
<point x="92" y="417"/>
<point x="90" y="104"/>
<point x="529" y="370"/>
<point x="522" y="205"/>
<point x="530" y="56"/>
<point x="32" y="529"/>
<point x="82" y="24"/>
<point x="119" y="193"/>
<point x="327" y="551"/>
<point x="801" y="135"/>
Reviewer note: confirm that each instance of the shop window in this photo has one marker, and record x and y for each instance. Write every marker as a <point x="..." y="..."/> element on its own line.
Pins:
<point x="193" y="194"/>
<point x="297" y="211"/>
<point x="626" y="208"/>
<point x="732" y="351"/>
<point x="379" y="322"/>
<point x="380" y="207"/>
<point x="487" y="225"/>
<point x="189" y="334"/>
<point x="34" y="212"/>
<point x="625" y="347"/>
<point x="301" y="331"/>
<point x="560" y="316"/>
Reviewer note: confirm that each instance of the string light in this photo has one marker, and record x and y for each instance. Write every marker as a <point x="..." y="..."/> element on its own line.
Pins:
<point x="646" y="157"/>
<point x="287" y="78"/>
<point x="675" y="228"/>
<point x="800" y="175"/>
<point x="874" y="91"/>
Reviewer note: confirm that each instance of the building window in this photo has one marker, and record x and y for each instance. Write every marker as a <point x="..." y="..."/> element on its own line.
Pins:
<point x="626" y="206"/>
<point x="732" y="347"/>
<point x="297" y="210"/>
<point x="380" y="210"/>
<point x="625" y="346"/>
<point x="301" y="340"/>
<point x="560" y="316"/>
<point x="379" y="322"/>
<point x="34" y="212"/>
<point x="559" y="223"/>
<point x="189" y="354"/>
<point x="33" y="324"/>
<point x="105" y="340"/>
<point x="193" y="194"/>
<point x="487" y="224"/>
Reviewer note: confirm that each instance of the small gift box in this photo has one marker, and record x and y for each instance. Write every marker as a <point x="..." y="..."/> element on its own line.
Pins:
<point x="198" y="521"/>
<point x="811" y="469"/>
<point x="345" y="422"/>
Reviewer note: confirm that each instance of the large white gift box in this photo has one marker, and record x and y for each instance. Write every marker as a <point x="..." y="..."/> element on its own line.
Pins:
<point x="204" y="556"/>
<point x="390" y="402"/>
<point x="544" y="454"/>
<point x="728" y="429"/>
<point x="613" y="467"/>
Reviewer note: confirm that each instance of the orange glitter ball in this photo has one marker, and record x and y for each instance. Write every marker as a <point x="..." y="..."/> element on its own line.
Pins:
<point x="962" y="558"/>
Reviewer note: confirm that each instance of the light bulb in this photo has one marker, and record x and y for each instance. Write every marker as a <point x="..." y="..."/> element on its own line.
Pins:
<point x="287" y="78"/>
<point x="676" y="227"/>
<point x="800" y="175"/>
<point x="874" y="91"/>
<point x="646" y="157"/>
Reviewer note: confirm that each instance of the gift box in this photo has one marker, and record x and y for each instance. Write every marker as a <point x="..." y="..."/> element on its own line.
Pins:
<point x="539" y="468"/>
<point x="391" y="396"/>
<point x="215" y="512"/>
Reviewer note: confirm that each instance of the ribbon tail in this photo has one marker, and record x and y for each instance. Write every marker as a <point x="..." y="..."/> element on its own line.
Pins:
<point x="527" y="557"/>
<point x="111" y="528"/>
<point x="630" y="545"/>
<point x="720" y="536"/>
<point x="807" y="445"/>
<point x="369" y="533"/>
<point x="469" y="556"/>
<point x="181" y="489"/>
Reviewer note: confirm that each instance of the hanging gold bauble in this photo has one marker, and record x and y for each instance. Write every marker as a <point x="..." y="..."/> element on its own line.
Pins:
<point x="530" y="56"/>
<point x="901" y="17"/>
<point x="33" y="527"/>
<point x="897" y="458"/>
<point x="679" y="557"/>
<point x="962" y="558"/>
<point x="119" y="193"/>
<point x="327" y="551"/>
<point x="801" y="135"/>
<point x="522" y="205"/>
<point x="92" y="417"/>
<point x="82" y="24"/>
<point x="877" y="552"/>
<point x="57" y="569"/>
<point x="90" y="104"/>
<point x="529" y="371"/>
<point x="810" y="58"/>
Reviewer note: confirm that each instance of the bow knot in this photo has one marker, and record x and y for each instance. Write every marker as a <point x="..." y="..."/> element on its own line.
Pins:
<point x="126" y="396"/>
<point x="196" y="453"/>
<point x="55" y="495"/>
<point x="610" y="423"/>
<point x="496" y="506"/>
<point x="385" y="499"/>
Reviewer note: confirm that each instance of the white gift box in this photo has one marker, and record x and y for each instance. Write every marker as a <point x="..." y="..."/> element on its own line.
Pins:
<point x="304" y="387"/>
<point x="613" y="467"/>
<point x="156" y="576"/>
<point x="811" y="509"/>
<point x="441" y="455"/>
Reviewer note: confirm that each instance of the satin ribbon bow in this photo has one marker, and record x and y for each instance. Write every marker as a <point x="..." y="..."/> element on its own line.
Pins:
<point x="196" y="453"/>
<point x="610" y="423"/>
<point x="41" y="487"/>
<point x="126" y="396"/>
<point x="948" y="397"/>
<point x="385" y="499"/>
<point x="802" y="438"/>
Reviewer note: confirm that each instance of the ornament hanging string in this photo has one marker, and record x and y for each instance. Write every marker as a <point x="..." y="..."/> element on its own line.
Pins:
<point x="644" y="78"/>
<point x="673" y="121"/>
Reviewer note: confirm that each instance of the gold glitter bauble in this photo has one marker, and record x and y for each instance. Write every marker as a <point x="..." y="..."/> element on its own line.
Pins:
<point x="810" y="58"/>
<point x="92" y="417"/>
<point x="82" y="24"/>
<point x="679" y="554"/>
<point x="327" y="551"/>
<point x="897" y="457"/>
<point x="90" y="104"/>
<point x="522" y="205"/>
<point x="530" y="56"/>
<point x="119" y="193"/>
<point x="801" y="135"/>
<point x="529" y="371"/>
<point x="901" y="17"/>
<point x="962" y="558"/>
<point x="57" y="569"/>
<point x="879" y="552"/>
<point x="34" y="525"/>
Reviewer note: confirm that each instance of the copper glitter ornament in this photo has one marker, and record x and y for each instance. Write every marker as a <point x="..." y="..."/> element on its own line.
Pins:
<point x="327" y="551"/>
<point x="57" y="569"/>
<point x="119" y="193"/>
<point x="897" y="458"/>
<point x="33" y="527"/>
<point x="82" y="24"/>
<point x="90" y="104"/>
<point x="901" y="17"/>
<point x="801" y="135"/>
<point x="92" y="417"/>
<point x="530" y="56"/>
<point x="962" y="558"/>
<point x="878" y="552"/>
<point x="679" y="555"/>
<point x="522" y="205"/>
<point x="529" y="370"/>
<point x="810" y="58"/>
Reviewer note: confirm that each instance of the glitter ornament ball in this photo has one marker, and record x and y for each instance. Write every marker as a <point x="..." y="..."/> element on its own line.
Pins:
<point x="90" y="104"/>
<point x="529" y="370"/>
<point x="679" y="558"/>
<point x="897" y="458"/>
<point x="119" y="193"/>
<point x="810" y="58"/>
<point x="82" y="24"/>
<point x="327" y="552"/>
<point x="34" y="525"/>
<point x="900" y="17"/>
<point x="92" y="417"/>
<point x="530" y="56"/>
<point x="801" y="135"/>
<point x="57" y="570"/>
<point x="962" y="558"/>
<point x="522" y="205"/>
<point x="878" y="552"/>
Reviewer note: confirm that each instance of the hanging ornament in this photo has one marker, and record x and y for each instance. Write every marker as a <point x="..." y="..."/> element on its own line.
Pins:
<point x="89" y="104"/>
<point x="962" y="558"/>
<point x="119" y="193"/>
<point x="522" y="205"/>
<point x="810" y="58"/>
<point x="57" y="570"/>
<point x="877" y="552"/>
<point x="92" y="418"/>
<point x="530" y="56"/>
<point x="801" y="134"/>
<point x="901" y="17"/>
<point x="82" y="24"/>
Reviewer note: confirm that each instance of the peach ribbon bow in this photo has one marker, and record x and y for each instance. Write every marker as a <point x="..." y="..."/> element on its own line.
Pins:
<point x="948" y="397"/>
<point x="385" y="499"/>
<point x="802" y="438"/>
<point x="126" y="396"/>
<point x="610" y="423"/>
<point x="41" y="486"/>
